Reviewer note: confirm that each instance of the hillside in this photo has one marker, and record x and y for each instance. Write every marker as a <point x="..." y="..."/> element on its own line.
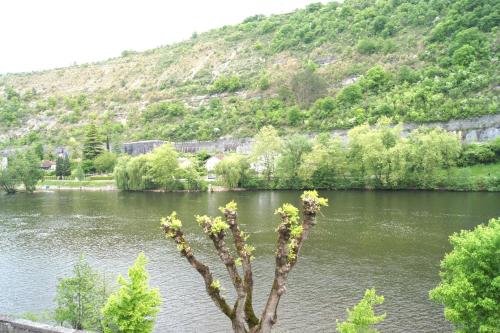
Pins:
<point x="316" y="69"/>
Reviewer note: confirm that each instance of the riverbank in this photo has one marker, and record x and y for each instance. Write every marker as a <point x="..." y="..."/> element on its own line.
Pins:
<point x="478" y="178"/>
<point x="87" y="185"/>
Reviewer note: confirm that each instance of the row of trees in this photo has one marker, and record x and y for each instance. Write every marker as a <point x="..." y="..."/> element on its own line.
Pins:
<point x="377" y="156"/>
<point x="158" y="169"/>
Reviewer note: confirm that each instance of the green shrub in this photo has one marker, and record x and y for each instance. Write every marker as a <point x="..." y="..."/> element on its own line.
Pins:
<point x="477" y="154"/>
<point x="226" y="84"/>
<point x="368" y="46"/>
<point x="470" y="285"/>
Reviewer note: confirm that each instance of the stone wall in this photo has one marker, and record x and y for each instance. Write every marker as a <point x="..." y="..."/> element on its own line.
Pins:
<point x="11" y="325"/>
<point x="479" y="129"/>
<point x="141" y="147"/>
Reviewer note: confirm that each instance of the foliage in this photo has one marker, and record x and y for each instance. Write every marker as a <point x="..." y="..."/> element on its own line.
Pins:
<point x="307" y="86"/>
<point x="265" y="150"/>
<point x="232" y="170"/>
<point x="80" y="298"/>
<point x="361" y="317"/>
<point x="158" y="169"/>
<point x="105" y="162"/>
<point x="92" y="147"/>
<point x="163" y="166"/>
<point x="290" y="161"/>
<point x="133" y="308"/>
<point x="9" y="179"/>
<point x="63" y="167"/>
<point x="26" y="168"/>
<point x="477" y="153"/>
<point x="470" y="282"/>
<point x="226" y="84"/>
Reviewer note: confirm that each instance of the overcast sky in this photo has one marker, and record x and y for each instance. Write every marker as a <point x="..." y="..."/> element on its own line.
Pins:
<point x="45" y="34"/>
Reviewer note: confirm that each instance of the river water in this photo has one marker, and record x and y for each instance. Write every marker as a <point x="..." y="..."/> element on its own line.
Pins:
<point x="392" y="241"/>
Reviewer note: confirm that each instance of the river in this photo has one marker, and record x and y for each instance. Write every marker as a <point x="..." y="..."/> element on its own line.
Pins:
<point x="392" y="241"/>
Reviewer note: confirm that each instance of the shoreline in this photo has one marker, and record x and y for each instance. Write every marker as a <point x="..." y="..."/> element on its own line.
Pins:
<point x="112" y="188"/>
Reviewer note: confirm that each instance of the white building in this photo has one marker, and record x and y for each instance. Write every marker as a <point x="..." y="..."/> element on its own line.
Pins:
<point x="212" y="162"/>
<point x="3" y="162"/>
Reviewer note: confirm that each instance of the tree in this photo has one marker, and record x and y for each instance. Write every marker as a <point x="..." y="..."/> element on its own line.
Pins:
<point x="80" y="298"/>
<point x="326" y="165"/>
<point x="470" y="280"/>
<point x="266" y="149"/>
<point x="362" y="316"/>
<point x="26" y="167"/>
<point x="163" y="166"/>
<point x="79" y="173"/>
<point x="292" y="153"/>
<point x="133" y="308"/>
<point x="92" y="147"/>
<point x="9" y="179"/>
<point x="429" y="151"/>
<point x="63" y="167"/>
<point x="105" y="162"/>
<point x="371" y="151"/>
<point x="232" y="170"/>
<point x="307" y="86"/>
<point x="291" y="235"/>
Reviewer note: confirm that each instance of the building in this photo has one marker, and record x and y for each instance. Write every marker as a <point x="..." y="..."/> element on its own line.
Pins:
<point x="212" y="162"/>
<point x="4" y="162"/>
<point x="48" y="165"/>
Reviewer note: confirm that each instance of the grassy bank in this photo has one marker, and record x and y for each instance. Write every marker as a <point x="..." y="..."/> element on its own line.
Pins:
<point x="474" y="178"/>
<point x="77" y="183"/>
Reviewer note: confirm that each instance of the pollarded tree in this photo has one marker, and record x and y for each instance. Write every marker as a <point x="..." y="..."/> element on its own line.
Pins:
<point x="292" y="232"/>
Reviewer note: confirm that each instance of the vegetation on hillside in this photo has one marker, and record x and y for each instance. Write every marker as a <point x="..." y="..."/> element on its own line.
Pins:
<point x="334" y="65"/>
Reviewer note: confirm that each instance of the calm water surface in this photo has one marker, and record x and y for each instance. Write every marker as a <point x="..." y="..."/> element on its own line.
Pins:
<point x="392" y="241"/>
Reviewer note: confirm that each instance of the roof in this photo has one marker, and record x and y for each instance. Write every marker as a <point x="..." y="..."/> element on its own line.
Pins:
<point x="47" y="164"/>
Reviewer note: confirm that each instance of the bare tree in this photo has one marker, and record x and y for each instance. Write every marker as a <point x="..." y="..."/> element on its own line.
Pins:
<point x="292" y="232"/>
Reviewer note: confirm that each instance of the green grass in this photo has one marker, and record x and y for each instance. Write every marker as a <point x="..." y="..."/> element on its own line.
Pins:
<point x="481" y="177"/>
<point x="76" y="183"/>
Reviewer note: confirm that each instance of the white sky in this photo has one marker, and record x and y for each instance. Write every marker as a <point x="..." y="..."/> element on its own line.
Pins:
<point x="38" y="34"/>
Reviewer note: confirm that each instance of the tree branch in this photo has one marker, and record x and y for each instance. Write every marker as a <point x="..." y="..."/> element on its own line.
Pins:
<point x="172" y="228"/>
<point x="245" y="254"/>
<point x="291" y="236"/>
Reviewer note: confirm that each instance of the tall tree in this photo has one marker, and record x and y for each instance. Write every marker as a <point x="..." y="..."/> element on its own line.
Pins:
<point x="266" y="150"/>
<point x="80" y="298"/>
<point x="293" y="151"/>
<point x="92" y="146"/>
<point x="291" y="235"/>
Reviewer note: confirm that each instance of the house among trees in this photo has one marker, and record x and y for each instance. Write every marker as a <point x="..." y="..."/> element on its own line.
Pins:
<point x="48" y="165"/>
<point x="212" y="162"/>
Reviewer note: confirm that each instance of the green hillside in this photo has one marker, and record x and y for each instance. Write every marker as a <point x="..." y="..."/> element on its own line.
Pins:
<point x="319" y="68"/>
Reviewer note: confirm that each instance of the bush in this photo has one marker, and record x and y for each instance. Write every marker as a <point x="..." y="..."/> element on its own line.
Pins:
<point x="226" y="84"/>
<point x="477" y="154"/>
<point x="368" y="46"/>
